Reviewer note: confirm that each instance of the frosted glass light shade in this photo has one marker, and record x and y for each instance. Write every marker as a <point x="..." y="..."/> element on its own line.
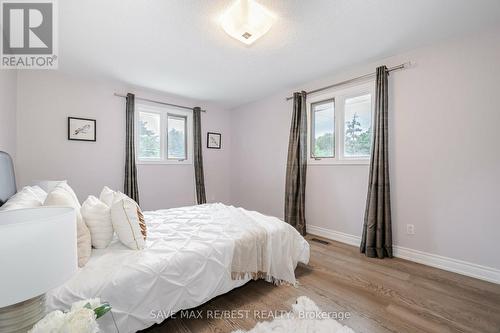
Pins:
<point x="37" y="251"/>
<point x="247" y="21"/>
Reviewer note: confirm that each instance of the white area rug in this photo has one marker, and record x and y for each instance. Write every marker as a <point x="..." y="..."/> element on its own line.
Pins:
<point x="305" y="317"/>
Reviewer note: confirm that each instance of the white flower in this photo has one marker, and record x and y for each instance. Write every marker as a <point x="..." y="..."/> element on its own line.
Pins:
<point x="51" y="323"/>
<point x="80" y="321"/>
<point x="94" y="303"/>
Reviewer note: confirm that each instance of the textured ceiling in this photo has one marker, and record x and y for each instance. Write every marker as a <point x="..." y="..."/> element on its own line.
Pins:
<point x="177" y="46"/>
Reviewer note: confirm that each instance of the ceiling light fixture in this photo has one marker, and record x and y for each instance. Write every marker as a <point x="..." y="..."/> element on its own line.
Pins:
<point x="247" y="21"/>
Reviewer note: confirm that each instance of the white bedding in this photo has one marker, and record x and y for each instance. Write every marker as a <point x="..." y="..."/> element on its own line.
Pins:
<point x="186" y="262"/>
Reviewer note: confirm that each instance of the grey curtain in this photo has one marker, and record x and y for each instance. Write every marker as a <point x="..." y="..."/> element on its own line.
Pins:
<point x="296" y="166"/>
<point x="198" y="157"/>
<point x="377" y="231"/>
<point x="130" y="184"/>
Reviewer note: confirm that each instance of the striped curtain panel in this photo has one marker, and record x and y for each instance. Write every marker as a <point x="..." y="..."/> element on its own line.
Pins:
<point x="198" y="157"/>
<point x="296" y="166"/>
<point x="130" y="185"/>
<point x="376" y="239"/>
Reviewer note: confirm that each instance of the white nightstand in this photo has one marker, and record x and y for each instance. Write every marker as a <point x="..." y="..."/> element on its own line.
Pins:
<point x="37" y="253"/>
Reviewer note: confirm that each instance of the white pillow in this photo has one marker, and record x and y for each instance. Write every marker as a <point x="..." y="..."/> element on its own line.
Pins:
<point x="64" y="186"/>
<point x="38" y="192"/>
<point x="97" y="216"/>
<point x="48" y="185"/>
<point x="108" y="196"/>
<point x="128" y="222"/>
<point x="63" y="195"/>
<point x="28" y="197"/>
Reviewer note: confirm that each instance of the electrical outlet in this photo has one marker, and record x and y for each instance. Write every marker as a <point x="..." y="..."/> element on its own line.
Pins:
<point x="410" y="229"/>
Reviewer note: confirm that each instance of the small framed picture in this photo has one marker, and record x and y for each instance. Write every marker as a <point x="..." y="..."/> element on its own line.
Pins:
<point x="213" y="140"/>
<point x="81" y="129"/>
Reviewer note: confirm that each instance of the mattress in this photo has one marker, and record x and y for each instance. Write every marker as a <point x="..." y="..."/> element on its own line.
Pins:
<point x="186" y="262"/>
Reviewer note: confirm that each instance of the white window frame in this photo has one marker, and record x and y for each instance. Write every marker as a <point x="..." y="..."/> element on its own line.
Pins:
<point x="339" y="96"/>
<point x="164" y="112"/>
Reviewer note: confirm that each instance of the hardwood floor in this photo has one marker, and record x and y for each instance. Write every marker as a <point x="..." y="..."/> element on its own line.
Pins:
<point x="390" y="295"/>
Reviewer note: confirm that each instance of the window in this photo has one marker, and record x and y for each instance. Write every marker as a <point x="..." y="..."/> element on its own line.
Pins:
<point x="176" y="137"/>
<point x="340" y="130"/>
<point x="163" y="135"/>
<point x="323" y="129"/>
<point x="149" y="135"/>
<point x="358" y="126"/>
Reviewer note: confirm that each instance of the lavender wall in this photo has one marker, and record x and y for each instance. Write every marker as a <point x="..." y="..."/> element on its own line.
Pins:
<point x="47" y="98"/>
<point x="8" y="91"/>
<point x="445" y="160"/>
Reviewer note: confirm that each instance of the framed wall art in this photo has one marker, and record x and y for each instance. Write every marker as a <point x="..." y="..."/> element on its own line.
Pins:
<point x="214" y="140"/>
<point x="81" y="129"/>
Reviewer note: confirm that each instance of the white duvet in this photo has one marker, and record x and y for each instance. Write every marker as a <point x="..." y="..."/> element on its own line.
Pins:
<point x="186" y="262"/>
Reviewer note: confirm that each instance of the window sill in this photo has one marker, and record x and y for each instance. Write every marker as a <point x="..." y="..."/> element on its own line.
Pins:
<point x="142" y="162"/>
<point x="337" y="162"/>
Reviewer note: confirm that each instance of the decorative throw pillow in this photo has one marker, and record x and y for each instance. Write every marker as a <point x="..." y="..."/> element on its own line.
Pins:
<point x="97" y="217"/>
<point x="128" y="222"/>
<point x="28" y="197"/>
<point x="63" y="195"/>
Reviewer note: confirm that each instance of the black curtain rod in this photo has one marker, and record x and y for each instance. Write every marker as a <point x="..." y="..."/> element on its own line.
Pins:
<point x="366" y="76"/>
<point x="159" y="102"/>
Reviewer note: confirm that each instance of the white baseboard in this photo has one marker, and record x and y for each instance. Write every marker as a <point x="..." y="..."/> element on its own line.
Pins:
<point x="449" y="264"/>
<point x="334" y="235"/>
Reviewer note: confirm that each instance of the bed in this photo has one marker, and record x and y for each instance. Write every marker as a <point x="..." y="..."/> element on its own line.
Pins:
<point x="187" y="261"/>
